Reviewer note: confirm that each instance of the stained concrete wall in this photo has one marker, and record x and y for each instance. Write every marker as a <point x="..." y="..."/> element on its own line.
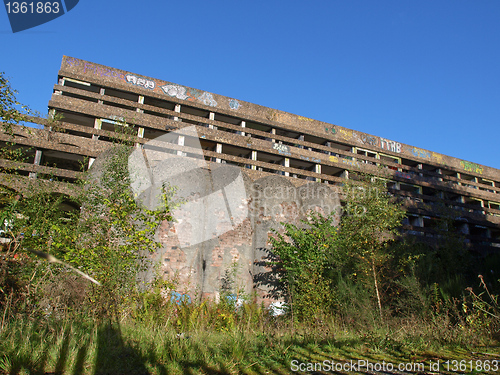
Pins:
<point x="222" y="229"/>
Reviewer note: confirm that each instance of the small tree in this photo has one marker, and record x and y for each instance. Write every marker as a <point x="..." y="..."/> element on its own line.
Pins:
<point x="368" y="227"/>
<point x="303" y="262"/>
<point x="115" y="234"/>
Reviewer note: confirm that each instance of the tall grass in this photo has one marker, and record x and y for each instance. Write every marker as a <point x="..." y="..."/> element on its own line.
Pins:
<point x="210" y="338"/>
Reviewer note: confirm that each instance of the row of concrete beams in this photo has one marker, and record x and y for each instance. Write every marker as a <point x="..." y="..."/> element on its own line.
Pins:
<point x="226" y="125"/>
<point x="218" y="148"/>
<point x="286" y="162"/>
<point x="180" y="150"/>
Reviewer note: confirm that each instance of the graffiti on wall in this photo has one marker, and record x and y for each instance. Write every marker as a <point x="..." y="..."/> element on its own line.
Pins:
<point x="71" y="61"/>
<point x="418" y="152"/>
<point x="370" y="140"/>
<point x="207" y="99"/>
<point x="390" y="145"/>
<point x="140" y="81"/>
<point x="305" y="118"/>
<point x="272" y="115"/>
<point x="346" y="134"/>
<point x="351" y="162"/>
<point x="437" y="157"/>
<point x="471" y="167"/>
<point x="282" y="149"/>
<point x="175" y="91"/>
<point x="333" y="159"/>
<point x="234" y="104"/>
<point x="403" y="175"/>
<point x="183" y="93"/>
<point x="330" y="130"/>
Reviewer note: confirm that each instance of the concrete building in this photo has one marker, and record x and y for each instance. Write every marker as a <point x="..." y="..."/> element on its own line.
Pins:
<point x="95" y="99"/>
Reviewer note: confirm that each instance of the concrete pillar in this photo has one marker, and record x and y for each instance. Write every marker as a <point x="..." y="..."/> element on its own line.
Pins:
<point x="254" y="157"/>
<point x="180" y="142"/>
<point x="218" y="149"/>
<point x="178" y="110"/>
<point x="211" y="116"/>
<point x="38" y="158"/>
<point x="286" y="164"/>
<point x="97" y="125"/>
<point x="101" y="92"/>
<point x="329" y="145"/>
<point x="419" y="166"/>
<point x="317" y="169"/>
<point x="140" y="101"/>
<point x="301" y="138"/>
<point x="420" y="221"/>
<point x="440" y="172"/>
<point x="140" y="134"/>
<point x="345" y="174"/>
<point x="243" y="125"/>
<point x="273" y="131"/>
<point x="52" y="115"/>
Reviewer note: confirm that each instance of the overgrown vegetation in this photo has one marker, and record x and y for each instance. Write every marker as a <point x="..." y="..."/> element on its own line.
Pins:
<point x="358" y="289"/>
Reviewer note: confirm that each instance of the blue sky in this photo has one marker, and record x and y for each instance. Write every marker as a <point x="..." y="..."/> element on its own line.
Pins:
<point x="425" y="73"/>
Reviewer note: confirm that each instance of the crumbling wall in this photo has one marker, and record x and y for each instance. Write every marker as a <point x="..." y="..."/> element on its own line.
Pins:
<point x="205" y="250"/>
<point x="219" y="237"/>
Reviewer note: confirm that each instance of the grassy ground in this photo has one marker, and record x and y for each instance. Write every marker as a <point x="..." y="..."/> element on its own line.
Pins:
<point x="79" y="347"/>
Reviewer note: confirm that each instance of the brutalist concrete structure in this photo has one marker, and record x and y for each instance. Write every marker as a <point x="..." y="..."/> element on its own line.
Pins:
<point x="275" y="151"/>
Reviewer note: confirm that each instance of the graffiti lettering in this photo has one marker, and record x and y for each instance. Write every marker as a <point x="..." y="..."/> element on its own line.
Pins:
<point x="332" y="130"/>
<point x="305" y="118"/>
<point x="403" y="175"/>
<point x="471" y="167"/>
<point x="180" y="92"/>
<point x="72" y="61"/>
<point x="282" y="149"/>
<point x="370" y="140"/>
<point x="345" y="133"/>
<point x="350" y="162"/>
<point x="334" y="159"/>
<point x="139" y="81"/>
<point x="390" y="145"/>
<point x="438" y="157"/>
<point x="418" y="152"/>
<point x="275" y="116"/>
<point x="234" y="104"/>
<point x="207" y="99"/>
